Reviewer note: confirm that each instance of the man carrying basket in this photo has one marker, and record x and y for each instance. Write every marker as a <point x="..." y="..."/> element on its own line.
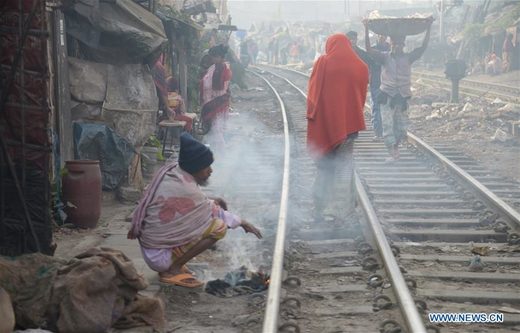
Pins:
<point x="396" y="73"/>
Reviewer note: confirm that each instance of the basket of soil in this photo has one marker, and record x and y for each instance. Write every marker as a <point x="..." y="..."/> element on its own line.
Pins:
<point x="399" y="26"/>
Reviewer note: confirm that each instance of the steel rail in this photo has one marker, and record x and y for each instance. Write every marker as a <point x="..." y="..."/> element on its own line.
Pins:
<point x="492" y="85"/>
<point x="290" y="82"/>
<point x="289" y="70"/>
<point x="411" y="314"/>
<point x="468" y="87"/>
<point x="474" y="88"/>
<point x="473" y="92"/>
<point x="491" y="198"/>
<point x="275" y="286"/>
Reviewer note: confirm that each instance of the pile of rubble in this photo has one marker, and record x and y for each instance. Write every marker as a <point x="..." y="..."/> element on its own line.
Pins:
<point x="483" y="129"/>
<point x="495" y="120"/>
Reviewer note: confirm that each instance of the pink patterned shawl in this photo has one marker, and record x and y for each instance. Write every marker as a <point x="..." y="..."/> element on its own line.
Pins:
<point x="207" y="91"/>
<point x="173" y="212"/>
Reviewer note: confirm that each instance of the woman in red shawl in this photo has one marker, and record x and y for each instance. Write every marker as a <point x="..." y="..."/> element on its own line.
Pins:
<point x="214" y="93"/>
<point x="337" y="93"/>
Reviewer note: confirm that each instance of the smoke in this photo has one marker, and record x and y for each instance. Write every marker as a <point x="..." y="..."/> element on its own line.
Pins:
<point x="246" y="174"/>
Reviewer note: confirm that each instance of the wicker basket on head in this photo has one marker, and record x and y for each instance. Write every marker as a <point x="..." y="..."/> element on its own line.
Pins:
<point x="399" y="26"/>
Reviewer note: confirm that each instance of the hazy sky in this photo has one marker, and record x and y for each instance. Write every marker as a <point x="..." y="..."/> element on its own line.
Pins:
<point x="245" y="12"/>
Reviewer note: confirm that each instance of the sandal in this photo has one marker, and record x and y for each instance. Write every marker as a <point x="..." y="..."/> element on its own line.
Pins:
<point x="186" y="270"/>
<point x="183" y="280"/>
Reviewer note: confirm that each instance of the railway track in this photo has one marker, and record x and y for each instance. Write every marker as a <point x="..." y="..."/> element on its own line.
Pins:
<point x="507" y="93"/>
<point x="436" y="220"/>
<point x="327" y="263"/>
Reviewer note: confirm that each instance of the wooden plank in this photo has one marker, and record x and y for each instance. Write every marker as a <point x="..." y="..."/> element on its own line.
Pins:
<point x="325" y="242"/>
<point x="457" y="222"/>
<point x="460" y="259"/>
<point x="433" y="201"/>
<point x="471" y="295"/>
<point x="345" y="310"/>
<point x="339" y="289"/>
<point x="447" y="232"/>
<point x="423" y="212"/>
<point x="330" y="255"/>
<point x="411" y="244"/>
<point x="342" y="270"/>
<point x="475" y="276"/>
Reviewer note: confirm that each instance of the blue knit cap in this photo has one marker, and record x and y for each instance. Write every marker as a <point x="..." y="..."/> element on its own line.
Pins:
<point x="194" y="156"/>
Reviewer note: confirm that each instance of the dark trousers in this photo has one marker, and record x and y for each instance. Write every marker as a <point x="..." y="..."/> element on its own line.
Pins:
<point x="335" y="179"/>
<point x="377" y="123"/>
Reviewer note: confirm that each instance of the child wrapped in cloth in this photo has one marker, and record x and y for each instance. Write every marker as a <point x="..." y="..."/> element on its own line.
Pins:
<point x="175" y="221"/>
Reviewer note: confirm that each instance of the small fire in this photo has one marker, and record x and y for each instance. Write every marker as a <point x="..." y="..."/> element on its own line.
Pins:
<point x="261" y="278"/>
<point x="258" y="280"/>
<point x="265" y="278"/>
<point x="239" y="282"/>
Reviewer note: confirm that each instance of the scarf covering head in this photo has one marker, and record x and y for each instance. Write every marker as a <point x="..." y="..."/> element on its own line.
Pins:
<point x="336" y="98"/>
<point x="173" y="211"/>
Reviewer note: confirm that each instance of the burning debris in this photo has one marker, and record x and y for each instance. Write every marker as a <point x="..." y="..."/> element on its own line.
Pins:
<point x="238" y="282"/>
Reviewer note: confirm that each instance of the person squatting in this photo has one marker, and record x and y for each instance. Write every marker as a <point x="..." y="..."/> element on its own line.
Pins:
<point x="175" y="221"/>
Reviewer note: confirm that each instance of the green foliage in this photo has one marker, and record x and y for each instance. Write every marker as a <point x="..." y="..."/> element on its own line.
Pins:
<point x="64" y="172"/>
<point x="193" y="86"/>
<point x="507" y="19"/>
<point x="160" y="156"/>
<point x="153" y="141"/>
<point x="473" y="31"/>
<point x="181" y="29"/>
<point x="172" y="12"/>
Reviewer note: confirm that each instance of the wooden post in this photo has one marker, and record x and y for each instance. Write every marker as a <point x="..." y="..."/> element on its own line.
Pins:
<point x="62" y="88"/>
<point x="183" y="71"/>
<point x="441" y="23"/>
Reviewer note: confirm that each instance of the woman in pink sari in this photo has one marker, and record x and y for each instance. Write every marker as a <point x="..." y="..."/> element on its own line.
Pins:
<point x="215" y="95"/>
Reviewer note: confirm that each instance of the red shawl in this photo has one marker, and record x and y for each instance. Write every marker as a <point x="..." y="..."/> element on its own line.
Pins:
<point x="337" y="93"/>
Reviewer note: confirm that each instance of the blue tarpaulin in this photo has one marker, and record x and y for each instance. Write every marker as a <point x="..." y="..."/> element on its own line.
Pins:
<point x="99" y="142"/>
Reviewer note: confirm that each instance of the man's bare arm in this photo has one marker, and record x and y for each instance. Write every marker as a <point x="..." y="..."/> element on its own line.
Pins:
<point x="418" y="52"/>
<point x="375" y="54"/>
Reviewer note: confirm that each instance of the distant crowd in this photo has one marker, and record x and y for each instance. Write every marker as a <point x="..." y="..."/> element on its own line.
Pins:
<point x="493" y="64"/>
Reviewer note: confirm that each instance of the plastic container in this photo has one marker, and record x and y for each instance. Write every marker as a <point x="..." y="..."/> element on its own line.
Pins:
<point x="81" y="187"/>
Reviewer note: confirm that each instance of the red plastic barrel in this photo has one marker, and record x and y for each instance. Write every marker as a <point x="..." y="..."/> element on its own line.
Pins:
<point x="82" y="192"/>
